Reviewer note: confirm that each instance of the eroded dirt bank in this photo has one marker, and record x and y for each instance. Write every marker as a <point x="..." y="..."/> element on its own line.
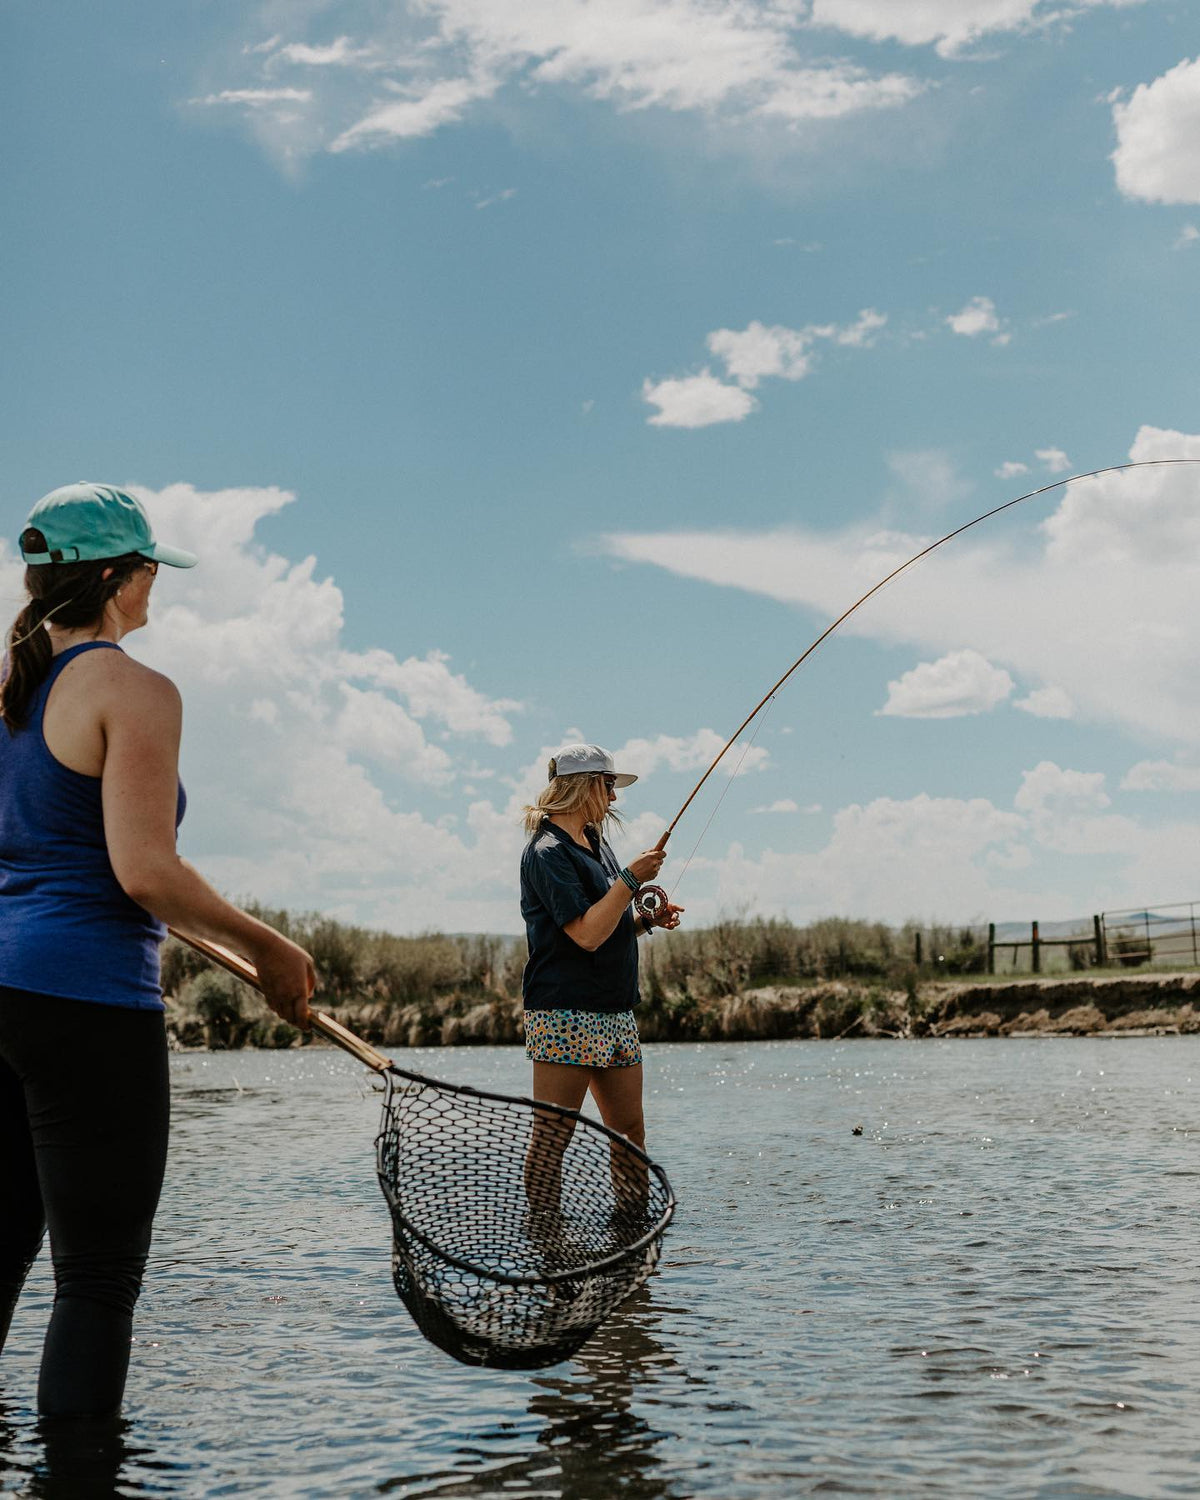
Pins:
<point x="1122" y="1004"/>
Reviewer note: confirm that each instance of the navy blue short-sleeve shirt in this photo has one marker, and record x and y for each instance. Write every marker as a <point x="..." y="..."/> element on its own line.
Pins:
<point x="560" y="880"/>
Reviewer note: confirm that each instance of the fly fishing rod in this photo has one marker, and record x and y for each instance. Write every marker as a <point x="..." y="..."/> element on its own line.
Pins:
<point x="651" y="900"/>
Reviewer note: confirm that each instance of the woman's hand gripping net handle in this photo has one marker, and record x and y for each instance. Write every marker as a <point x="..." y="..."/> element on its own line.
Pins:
<point x="244" y="970"/>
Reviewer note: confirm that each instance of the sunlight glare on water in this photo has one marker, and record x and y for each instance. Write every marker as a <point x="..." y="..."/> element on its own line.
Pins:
<point x="992" y="1289"/>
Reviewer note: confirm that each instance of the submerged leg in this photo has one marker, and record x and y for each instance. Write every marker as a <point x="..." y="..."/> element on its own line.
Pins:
<point x="618" y="1095"/>
<point x="555" y="1083"/>
<point x="22" y="1222"/>
<point x="100" y="1202"/>
<point x="97" y="1103"/>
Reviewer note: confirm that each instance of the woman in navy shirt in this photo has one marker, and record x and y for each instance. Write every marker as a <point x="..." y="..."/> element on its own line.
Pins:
<point x="580" y="984"/>
<point x="89" y="877"/>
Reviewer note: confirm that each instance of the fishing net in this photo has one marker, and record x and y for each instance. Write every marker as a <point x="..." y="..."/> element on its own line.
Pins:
<point x="517" y="1226"/>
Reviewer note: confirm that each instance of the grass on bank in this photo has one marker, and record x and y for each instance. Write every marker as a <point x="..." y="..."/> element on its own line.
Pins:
<point x="439" y="989"/>
<point x="739" y="980"/>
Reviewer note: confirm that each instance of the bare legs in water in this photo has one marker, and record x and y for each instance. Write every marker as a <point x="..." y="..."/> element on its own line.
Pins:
<point x="618" y="1096"/>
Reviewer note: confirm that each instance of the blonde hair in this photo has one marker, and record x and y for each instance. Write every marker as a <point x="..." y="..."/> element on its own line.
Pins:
<point x="581" y="793"/>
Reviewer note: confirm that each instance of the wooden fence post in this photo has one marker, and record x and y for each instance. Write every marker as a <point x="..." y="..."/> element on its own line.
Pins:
<point x="991" y="958"/>
<point x="1036" y="945"/>
<point x="917" y="949"/>
<point x="1098" y="927"/>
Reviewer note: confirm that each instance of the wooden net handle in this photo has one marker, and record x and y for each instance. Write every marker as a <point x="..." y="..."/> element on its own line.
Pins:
<point x="241" y="968"/>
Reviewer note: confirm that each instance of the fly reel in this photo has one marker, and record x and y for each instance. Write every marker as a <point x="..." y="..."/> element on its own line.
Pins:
<point x="650" y="903"/>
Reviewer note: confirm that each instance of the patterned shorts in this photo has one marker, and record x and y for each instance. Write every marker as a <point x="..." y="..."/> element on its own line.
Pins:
<point x="587" y="1038"/>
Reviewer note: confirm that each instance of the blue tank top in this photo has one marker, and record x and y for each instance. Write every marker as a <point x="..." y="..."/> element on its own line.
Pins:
<point x="66" y="926"/>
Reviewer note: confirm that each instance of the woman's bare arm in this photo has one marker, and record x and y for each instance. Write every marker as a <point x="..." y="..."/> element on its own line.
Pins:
<point x="600" y="921"/>
<point x="141" y="716"/>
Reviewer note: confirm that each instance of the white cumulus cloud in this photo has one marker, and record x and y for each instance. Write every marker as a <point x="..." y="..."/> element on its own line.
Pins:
<point x="750" y="355"/>
<point x="1111" y="575"/>
<point x="690" y="753"/>
<point x="758" y="351"/>
<point x="696" y="401"/>
<point x="889" y="858"/>
<point x="786" y="805"/>
<point x="1053" y="460"/>
<point x="1048" y="787"/>
<point x="306" y="762"/>
<point x="728" y="61"/>
<point x="1066" y="812"/>
<point x="1047" y="703"/>
<point x="950" y="25"/>
<point x="432" y="691"/>
<point x="1157" y="158"/>
<point x="978" y="316"/>
<point x="1161" y="776"/>
<point x="963" y="682"/>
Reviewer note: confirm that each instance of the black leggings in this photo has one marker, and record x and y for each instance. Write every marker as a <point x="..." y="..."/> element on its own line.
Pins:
<point x="84" y="1110"/>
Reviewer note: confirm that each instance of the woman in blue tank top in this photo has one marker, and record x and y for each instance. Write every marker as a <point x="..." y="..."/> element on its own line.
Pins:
<point x="89" y="879"/>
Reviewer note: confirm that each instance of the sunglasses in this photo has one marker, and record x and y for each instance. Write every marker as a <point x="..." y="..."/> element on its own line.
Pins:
<point x="610" y="782"/>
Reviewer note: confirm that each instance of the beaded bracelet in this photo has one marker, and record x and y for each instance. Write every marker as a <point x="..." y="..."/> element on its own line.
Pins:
<point x="631" y="879"/>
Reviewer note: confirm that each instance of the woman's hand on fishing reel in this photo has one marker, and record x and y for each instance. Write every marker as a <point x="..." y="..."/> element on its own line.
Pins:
<point x="670" y="917"/>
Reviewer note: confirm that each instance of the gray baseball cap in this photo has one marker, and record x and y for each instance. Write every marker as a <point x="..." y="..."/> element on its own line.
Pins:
<point x="588" y="760"/>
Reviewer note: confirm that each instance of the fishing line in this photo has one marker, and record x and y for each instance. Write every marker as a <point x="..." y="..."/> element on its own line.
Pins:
<point x="1147" y="463"/>
<point x="717" y="805"/>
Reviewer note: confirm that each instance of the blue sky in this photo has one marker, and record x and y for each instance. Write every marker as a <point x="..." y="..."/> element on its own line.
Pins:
<point x="526" y="372"/>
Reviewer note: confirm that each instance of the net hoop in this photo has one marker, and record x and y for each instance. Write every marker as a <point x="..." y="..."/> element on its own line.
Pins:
<point x="576" y="1117"/>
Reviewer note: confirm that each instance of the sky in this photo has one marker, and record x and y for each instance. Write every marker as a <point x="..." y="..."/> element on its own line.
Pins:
<point x="532" y="373"/>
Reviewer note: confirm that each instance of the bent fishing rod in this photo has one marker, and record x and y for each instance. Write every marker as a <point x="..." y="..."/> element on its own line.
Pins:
<point x="651" y="900"/>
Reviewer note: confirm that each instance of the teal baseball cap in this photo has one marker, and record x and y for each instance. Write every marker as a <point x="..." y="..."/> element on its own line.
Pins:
<point x="87" y="522"/>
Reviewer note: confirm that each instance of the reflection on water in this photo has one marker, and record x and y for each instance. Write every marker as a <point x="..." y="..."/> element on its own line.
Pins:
<point x="78" y="1460"/>
<point x="587" y="1438"/>
<point x="590" y="1426"/>
<point x="992" y="1289"/>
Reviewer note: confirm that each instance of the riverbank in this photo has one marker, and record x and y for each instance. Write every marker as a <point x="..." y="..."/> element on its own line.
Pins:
<point x="1118" y="1004"/>
<point x="218" y="1013"/>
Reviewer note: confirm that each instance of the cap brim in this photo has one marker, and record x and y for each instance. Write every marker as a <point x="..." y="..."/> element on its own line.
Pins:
<point x="174" y="557"/>
<point x="623" y="778"/>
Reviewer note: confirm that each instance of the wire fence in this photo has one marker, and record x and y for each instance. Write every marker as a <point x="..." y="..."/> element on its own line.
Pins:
<point x="1165" y="935"/>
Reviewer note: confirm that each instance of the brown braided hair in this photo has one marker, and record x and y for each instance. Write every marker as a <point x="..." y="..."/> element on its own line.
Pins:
<point x="72" y="594"/>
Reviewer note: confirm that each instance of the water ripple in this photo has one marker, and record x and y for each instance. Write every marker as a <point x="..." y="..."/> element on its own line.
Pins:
<point x="992" y="1289"/>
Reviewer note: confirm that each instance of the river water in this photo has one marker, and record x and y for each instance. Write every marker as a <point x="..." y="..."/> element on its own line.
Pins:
<point x="993" y="1289"/>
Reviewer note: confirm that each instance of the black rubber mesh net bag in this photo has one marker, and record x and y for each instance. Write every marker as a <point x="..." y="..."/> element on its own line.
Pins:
<point x="518" y="1226"/>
